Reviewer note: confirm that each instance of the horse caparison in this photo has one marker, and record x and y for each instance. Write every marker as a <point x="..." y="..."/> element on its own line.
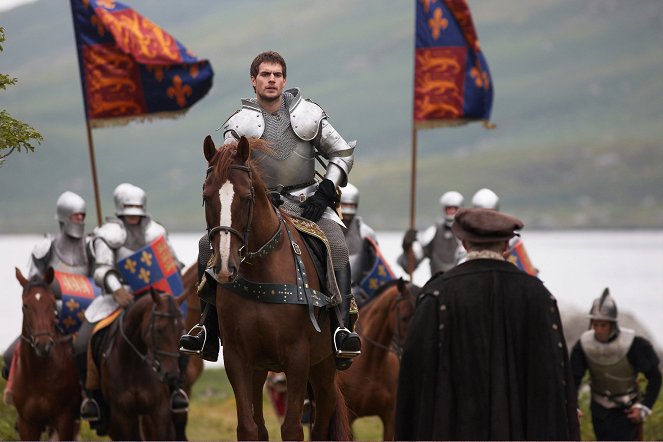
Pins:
<point x="139" y="359"/>
<point x="261" y="336"/>
<point x="46" y="388"/>
<point x="371" y="383"/>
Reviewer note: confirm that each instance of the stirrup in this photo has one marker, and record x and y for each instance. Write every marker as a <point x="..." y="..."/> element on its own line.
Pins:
<point x="90" y="418"/>
<point x="181" y="392"/>
<point x="344" y="354"/>
<point x="196" y="327"/>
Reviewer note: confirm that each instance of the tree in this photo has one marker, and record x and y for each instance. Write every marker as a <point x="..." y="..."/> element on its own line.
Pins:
<point x="14" y="134"/>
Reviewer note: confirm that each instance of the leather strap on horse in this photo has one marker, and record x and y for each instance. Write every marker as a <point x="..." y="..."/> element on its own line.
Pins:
<point x="280" y="293"/>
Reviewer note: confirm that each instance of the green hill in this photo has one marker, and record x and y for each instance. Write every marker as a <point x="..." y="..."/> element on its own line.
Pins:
<point x="577" y="107"/>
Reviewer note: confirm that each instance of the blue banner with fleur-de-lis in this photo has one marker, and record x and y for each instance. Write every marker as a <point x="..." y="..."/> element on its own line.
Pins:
<point x="131" y="68"/>
<point x="152" y="266"/>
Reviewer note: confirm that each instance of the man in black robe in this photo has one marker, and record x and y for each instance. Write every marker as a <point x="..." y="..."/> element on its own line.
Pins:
<point x="485" y="357"/>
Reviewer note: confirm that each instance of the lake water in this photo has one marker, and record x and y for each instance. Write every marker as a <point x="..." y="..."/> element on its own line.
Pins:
<point x="575" y="266"/>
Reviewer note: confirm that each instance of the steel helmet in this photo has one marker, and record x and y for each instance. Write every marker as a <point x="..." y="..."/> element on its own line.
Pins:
<point x="604" y="308"/>
<point x="68" y="204"/>
<point x="450" y="199"/>
<point x="129" y="200"/>
<point x="486" y="199"/>
<point x="349" y="195"/>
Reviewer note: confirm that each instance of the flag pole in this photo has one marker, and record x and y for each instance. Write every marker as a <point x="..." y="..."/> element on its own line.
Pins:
<point x="413" y="195"/>
<point x="93" y="166"/>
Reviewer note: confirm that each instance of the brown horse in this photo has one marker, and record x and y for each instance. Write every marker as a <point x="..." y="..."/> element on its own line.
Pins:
<point x="46" y="389"/>
<point x="138" y="362"/>
<point x="254" y="241"/>
<point x="371" y="383"/>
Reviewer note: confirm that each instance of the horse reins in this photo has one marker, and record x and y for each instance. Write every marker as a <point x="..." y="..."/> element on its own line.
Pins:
<point x="154" y="363"/>
<point x="32" y="337"/>
<point x="244" y="254"/>
<point x="396" y="347"/>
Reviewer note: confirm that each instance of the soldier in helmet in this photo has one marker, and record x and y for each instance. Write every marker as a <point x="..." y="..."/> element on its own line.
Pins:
<point x="362" y="248"/>
<point x="298" y="130"/>
<point x="116" y="240"/>
<point x="485" y="198"/>
<point x="437" y="243"/>
<point x="614" y="356"/>
<point x="66" y="252"/>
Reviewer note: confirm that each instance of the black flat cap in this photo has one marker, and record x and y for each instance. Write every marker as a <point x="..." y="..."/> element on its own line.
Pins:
<point x="485" y="225"/>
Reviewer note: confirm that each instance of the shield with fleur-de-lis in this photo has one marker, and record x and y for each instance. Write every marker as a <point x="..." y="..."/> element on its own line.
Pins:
<point x="152" y="266"/>
<point x="379" y="274"/>
<point x="76" y="292"/>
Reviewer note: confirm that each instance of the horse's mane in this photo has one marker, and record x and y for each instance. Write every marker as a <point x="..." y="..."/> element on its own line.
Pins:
<point x="414" y="291"/>
<point x="225" y="156"/>
<point x="36" y="281"/>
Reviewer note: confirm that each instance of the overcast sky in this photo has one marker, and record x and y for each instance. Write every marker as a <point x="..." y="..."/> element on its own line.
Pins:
<point x="8" y="4"/>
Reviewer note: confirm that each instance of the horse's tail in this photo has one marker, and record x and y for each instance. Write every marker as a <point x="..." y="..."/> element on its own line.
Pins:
<point x="339" y="426"/>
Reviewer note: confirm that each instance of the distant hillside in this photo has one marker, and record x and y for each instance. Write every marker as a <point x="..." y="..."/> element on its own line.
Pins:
<point x="578" y="87"/>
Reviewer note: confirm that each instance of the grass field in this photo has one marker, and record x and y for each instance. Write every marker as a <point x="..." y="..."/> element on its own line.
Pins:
<point x="212" y="416"/>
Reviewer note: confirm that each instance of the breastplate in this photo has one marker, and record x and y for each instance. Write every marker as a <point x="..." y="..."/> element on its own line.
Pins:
<point x="138" y="237"/>
<point x="357" y="251"/>
<point x="613" y="380"/>
<point x="292" y="160"/>
<point x="443" y="253"/>
<point x="69" y="255"/>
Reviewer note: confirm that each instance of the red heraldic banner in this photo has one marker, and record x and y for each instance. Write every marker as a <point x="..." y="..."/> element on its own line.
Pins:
<point x="452" y="84"/>
<point x="130" y="68"/>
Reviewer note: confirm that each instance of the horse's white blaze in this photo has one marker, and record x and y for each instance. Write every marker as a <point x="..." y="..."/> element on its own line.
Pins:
<point x="226" y="193"/>
<point x="38" y="296"/>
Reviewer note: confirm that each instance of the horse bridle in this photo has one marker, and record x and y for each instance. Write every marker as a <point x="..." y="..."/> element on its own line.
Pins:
<point x="396" y="347"/>
<point x="32" y="337"/>
<point x="243" y="253"/>
<point x="152" y="361"/>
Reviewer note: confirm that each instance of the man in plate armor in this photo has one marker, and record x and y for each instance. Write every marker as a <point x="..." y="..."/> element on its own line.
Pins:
<point x="516" y="254"/>
<point x="115" y="241"/>
<point x="614" y="356"/>
<point x="437" y="243"/>
<point x="298" y="130"/>
<point x="66" y="252"/>
<point x="362" y="247"/>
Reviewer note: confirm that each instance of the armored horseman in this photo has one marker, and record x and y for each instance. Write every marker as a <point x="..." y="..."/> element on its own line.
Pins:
<point x="437" y="242"/>
<point x="516" y="254"/>
<point x="368" y="268"/>
<point x="66" y="252"/>
<point x="117" y="240"/>
<point x="614" y="356"/>
<point x="298" y="130"/>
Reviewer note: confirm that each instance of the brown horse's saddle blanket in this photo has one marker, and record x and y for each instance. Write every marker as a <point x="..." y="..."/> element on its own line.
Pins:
<point x="108" y="320"/>
<point x="313" y="236"/>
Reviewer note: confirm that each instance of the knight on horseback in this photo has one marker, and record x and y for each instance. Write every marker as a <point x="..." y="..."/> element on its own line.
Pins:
<point x="115" y="241"/>
<point x="363" y="249"/>
<point x="67" y="252"/>
<point x="298" y="131"/>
